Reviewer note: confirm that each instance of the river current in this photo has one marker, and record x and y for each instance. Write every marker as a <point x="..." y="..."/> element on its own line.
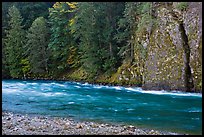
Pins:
<point x="173" y="111"/>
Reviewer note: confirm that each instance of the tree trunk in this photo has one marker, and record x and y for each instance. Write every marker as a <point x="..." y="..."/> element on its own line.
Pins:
<point x="110" y="50"/>
<point x="132" y="49"/>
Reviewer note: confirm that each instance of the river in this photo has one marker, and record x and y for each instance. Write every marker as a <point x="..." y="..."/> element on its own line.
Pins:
<point x="173" y="111"/>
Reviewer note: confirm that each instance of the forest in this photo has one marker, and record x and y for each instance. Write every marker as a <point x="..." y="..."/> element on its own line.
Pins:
<point x="156" y="45"/>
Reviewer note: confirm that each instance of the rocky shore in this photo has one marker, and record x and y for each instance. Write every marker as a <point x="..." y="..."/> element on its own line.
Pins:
<point x="18" y="124"/>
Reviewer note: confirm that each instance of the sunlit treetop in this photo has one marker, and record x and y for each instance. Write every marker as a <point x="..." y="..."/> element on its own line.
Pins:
<point x="72" y="5"/>
<point x="65" y="6"/>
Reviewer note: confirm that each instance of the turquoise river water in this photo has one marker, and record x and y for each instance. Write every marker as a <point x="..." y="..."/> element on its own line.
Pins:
<point x="162" y="110"/>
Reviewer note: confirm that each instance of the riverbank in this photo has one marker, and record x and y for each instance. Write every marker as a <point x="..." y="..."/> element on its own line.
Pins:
<point x="18" y="124"/>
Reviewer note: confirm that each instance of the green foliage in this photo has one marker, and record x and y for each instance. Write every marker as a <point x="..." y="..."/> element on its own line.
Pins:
<point x="37" y="41"/>
<point x="200" y="84"/>
<point x="126" y="29"/>
<point x="61" y="40"/>
<point x="134" y="28"/>
<point x="26" y="67"/>
<point x="85" y="40"/>
<point x="136" y="22"/>
<point x="29" y="11"/>
<point x="5" y="70"/>
<point x="14" y="42"/>
<point x="78" y="74"/>
<point x="182" y="5"/>
<point x="32" y="10"/>
<point x="5" y="17"/>
<point x="109" y="65"/>
<point x="84" y="29"/>
<point x="95" y="35"/>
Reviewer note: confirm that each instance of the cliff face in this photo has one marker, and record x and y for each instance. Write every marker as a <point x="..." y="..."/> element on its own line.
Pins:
<point x="193" y="27"/>
<point x="174" y="54"/>
<point x="174" y="50"/>
<point x="164" y="66"/>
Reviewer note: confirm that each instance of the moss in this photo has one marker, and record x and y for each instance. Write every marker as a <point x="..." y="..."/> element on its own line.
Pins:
<point x="182" y="6"/>
<point x="200" y="85"/>
<point x="124" y="75"/>
<point x="168" y="58"/>
<point x="77" y="74"/>
<point x="103" y="79"/>
<point x="196" y="53"/>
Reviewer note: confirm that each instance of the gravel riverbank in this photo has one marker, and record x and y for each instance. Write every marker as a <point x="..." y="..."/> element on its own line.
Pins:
<point x="18" y="124"/>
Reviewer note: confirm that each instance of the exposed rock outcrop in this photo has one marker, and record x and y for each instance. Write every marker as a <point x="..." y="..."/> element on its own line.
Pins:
<point x="174" y="54"/>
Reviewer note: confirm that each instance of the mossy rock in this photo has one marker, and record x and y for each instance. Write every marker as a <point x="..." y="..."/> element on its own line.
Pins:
<point x="77" y="74"/>
<point x="124" y="75"/>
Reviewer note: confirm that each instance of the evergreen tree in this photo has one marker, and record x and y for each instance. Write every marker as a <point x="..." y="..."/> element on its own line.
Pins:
<point x="5" y="71"/>
<point x="32" y="10"/>
<point x="111" y="12"/>
<point x="14" y="42"/>
<point x="62" y="44"/>
<point x="127" y="29"/>
<point x="37" y="46"/>
<point x="29" y="11"/>
<point x="134" y="28"/>
<point x="94" y="27"/>
<point x="85" y="31"/>
<point x="138" y="20"/>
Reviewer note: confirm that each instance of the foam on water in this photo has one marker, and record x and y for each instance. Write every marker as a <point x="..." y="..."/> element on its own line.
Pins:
<point x="117" y="87"/>
<point x="33" y="92"/>
<point x="86" y="84"/>
<point x="46" y="87"/>
<point x="77" y="86"/>
<point x="162" y="92"/>
<point x="192" y="110"/>
<point x="130" y="109"/>
<point x="51" y="94"/>
<point x="195" y="111"/>
<point x="132" y="89"/>
<point x="10" y="90"/>
<point x="139" y="90"/>
<point x="33" y="83"/>
<point x="61" y="85"/>
<point x="71" y="102"/>
<point x="195" y="118"/>
<point x="97" y="86"/>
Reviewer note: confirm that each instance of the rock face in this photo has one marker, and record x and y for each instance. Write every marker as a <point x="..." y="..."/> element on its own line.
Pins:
<point x="193" y="27"/>
<point x="167" y="63"/>
<point x="167" y="51"/>
<point x="127" y="74"/>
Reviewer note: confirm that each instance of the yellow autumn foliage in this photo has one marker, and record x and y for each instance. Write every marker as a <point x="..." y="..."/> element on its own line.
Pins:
<point x="72" y="5"/>
<point x="57" y="5"/>
<point x="71" y="22"/>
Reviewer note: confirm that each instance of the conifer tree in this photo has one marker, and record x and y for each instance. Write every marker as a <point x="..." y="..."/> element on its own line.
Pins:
<point x="85" y="31"/>
<point x="14" y="42"/>
<point x="37" y="46"/>
<point x="111" y="12"/>
<point x="62" y="44"/>
<point x="94" y="27"/>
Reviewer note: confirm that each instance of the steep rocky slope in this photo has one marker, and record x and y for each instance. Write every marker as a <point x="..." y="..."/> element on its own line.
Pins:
<point x="174" y="51"/>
